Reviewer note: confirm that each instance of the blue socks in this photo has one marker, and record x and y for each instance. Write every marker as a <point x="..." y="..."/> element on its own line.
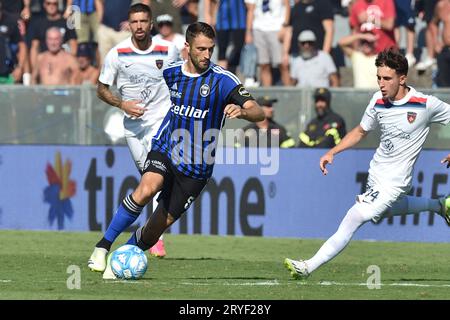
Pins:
<point x="126" y="214"/>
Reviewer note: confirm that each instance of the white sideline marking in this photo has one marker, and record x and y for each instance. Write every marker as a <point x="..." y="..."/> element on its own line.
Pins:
<point x="5" y="281"/>
<point x="322" y="283"/>
<point x="405" y="284"/>
<point x="261" y="283"/>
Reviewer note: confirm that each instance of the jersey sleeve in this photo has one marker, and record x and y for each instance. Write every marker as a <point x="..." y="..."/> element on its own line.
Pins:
<point x="110" y="68"/>
<point x="238" y="95"/>
<point x="369" y="120"/>
<point x="438" y="111"/>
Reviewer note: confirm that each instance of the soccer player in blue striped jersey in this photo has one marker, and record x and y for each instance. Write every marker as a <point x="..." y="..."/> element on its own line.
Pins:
<point x="136" y="65"/>
<point x="181" y="161"/>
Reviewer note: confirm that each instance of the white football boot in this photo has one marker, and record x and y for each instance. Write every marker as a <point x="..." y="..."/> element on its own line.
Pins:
<point x="109" y="274"/>
<point x="97" y="261"/>
<point x="298" y="269"/>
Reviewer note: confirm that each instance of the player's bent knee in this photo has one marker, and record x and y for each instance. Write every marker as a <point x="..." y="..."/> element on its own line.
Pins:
<point x="360" y="212"/>
<point x="149" y="186"/>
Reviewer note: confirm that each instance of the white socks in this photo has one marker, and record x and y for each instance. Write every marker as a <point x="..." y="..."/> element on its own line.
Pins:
<point x="338" y="241"/>
<point x="411" y="205"/>
<point x="354" y="219"/>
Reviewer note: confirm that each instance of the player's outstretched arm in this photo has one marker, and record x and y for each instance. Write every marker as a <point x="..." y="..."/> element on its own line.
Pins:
<point x="250" y="111"/>
<point x="350" y="139"/>
<point x="446" y="160"/>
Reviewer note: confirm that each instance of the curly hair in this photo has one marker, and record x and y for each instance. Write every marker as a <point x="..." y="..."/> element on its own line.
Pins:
<point x="393" y="59"/>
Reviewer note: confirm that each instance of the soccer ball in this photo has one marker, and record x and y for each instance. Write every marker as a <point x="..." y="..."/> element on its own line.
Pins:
<point x="128" y="262"/>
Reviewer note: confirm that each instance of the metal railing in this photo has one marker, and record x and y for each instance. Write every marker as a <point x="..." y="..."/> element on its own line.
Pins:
<point x="74" y="114"/>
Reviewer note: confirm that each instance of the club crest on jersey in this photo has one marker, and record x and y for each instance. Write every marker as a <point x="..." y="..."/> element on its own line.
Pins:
<point x="411" y="116"/>
<point x="204" y="90"/>
<point x="159" y="63"/>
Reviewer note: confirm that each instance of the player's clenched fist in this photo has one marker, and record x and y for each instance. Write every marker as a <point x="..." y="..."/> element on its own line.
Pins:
<point x="233" y="111"/>
<point x="324" y="160"/>
<point x="133" y="108"/>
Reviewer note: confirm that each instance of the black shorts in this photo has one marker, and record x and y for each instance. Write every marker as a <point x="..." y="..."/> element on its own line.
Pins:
<point x="234" y="39"/>
<point x="405" y="15"/>
<point x="179" y="190"/>
<point x="429" y="6"/>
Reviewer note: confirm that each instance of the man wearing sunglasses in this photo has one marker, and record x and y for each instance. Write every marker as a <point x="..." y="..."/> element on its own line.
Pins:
<point x="313" y="67"/>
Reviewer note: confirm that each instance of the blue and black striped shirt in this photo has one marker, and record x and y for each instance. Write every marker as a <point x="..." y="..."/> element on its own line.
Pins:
<point x="189" y="132"/>
<point x="231" y="15"/>
<point x="86" y="6"/>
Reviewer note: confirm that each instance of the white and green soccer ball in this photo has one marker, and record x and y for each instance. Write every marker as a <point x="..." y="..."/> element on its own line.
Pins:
<point x="129" y="262"/>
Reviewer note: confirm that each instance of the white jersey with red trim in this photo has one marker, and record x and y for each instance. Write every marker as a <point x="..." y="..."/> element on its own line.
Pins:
<point x="139" y="76"/>
<point x="404" y="126"/>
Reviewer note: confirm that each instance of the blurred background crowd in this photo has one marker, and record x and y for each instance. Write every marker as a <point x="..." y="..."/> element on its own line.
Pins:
<point x="305" y="43"/>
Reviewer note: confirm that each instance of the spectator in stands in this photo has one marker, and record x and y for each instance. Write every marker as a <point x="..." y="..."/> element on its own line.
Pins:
<point x="13" y="50"/>
<point x="171" y="7"/>
<point x="266" y="22"/>
<point x="327" y="129"/>
<point x="189" y="10"/>
<point x="228" y="17"/>
<point x="87" y="24"/>
<point x="313" y="67"/>
<point x="18" y="9"/>
<point x="88" y="74"/>
<point x="315" y="15"/>
<point x="166" y="32"/>
<point x="114" y="26"/>
<point x="40" y="24"/>
<point x="360" y="48"/>
<point x="376" y="15"/>
<point x="55" y="66"/>
<point x="405" y="17"/>
<point x="426" y="12"/>
<point x="442" y="14"/>
<point x="266" y="133"/>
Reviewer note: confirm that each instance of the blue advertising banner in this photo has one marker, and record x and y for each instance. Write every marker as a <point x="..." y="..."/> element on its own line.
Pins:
<point x="283" y="194"/>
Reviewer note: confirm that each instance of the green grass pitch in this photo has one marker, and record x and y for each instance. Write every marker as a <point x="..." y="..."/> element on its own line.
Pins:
<point x="34" y="265"/>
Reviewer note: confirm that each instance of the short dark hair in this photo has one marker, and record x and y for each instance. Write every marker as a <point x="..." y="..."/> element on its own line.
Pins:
<point x="393" y="59"/>
<point x="140" y="7"/>
<point x="197" y="28"/>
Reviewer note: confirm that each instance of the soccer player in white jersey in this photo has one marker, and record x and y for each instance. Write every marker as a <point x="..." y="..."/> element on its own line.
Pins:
<point x="137" y="65"/>
<point x="404" y="116"/>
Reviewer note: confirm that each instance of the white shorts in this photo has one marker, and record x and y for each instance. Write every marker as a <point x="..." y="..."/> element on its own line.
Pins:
<point x="375" y="202"/>
<point x="140" y="145"/>
<point x="269" y="47"/>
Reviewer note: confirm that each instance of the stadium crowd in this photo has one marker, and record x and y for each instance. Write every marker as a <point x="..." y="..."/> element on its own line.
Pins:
<point x="267" y="42"/>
